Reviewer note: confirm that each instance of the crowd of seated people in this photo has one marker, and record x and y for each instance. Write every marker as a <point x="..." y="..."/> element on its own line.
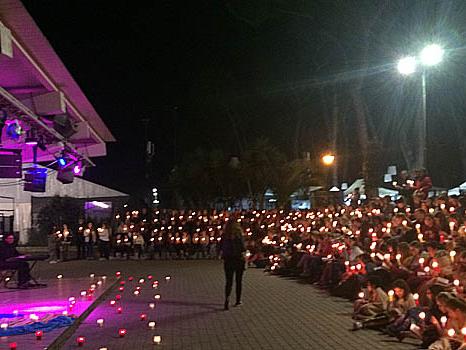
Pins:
<point x="403" y="267"/>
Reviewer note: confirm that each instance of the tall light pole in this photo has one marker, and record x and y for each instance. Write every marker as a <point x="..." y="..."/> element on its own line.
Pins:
<point x="431" y="55"/>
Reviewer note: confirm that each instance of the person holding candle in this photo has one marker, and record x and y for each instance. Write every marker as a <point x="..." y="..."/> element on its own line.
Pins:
<point x="452" y="337"/>
<point x="232" y="248"/>
<point x="373" y="303"/>
<point x="104" y="241"/>
<point x="399" y="308"/>
<point x="89" y="240"/>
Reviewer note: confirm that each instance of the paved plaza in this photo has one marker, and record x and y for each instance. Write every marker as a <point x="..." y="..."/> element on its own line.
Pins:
<point x="278" y="313"/>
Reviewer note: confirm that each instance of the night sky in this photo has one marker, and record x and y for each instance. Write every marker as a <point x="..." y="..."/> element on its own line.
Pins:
<point x="219" y="74"/>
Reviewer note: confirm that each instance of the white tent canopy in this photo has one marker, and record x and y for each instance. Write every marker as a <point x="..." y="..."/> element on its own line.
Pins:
<point x="457" y="190"/>
<point x="13" y="188"/>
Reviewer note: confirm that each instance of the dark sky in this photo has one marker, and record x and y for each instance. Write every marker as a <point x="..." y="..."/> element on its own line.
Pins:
<point x="218" y="74"/>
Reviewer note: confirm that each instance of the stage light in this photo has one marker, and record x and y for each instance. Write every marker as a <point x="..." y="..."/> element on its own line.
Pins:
<point x="31" y="138"/>
<point x="76" y="169"/>
<point x="13" y="129"/>
<point x="61" y="161"/>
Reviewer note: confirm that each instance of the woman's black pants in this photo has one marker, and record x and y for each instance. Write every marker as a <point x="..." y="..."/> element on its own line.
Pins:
<point x="233" y="268"/>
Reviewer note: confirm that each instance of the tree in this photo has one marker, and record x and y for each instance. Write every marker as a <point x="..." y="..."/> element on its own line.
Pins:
<point x="59" y="211"/>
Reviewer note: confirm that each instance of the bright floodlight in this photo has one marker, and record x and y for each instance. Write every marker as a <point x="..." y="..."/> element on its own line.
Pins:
<point x="407" y="65"/>
<point x="432" y="55"/>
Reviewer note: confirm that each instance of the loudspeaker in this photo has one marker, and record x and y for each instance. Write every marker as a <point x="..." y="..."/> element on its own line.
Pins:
<point x="63" y="124"/>
<point x="35" y="179"/>
<point x="65" y="176"/>
<point x="10" y="163"/>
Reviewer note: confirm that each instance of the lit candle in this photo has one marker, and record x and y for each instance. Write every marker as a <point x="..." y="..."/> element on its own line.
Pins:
<point x="157" y="339"/>
<point x="398" y="258"/>
<point x="117" y="297"/>
<point x="434" y="264"/>
<point x="136" y="292"/>
<point x="361" y="295"/>
<point x="100" y="322"/>
<point x="119" y="309"/>
<point x="122" y="332"/>
<point x="452" y="226"/>
<point x="152" y="305"/>
<point x="443" y="321"/>
<point x="418" y="228"/>
<point x="422" y="315"/>
<point x="39" y="335"/>
<point x="420" y="237"/>
<point x="91" y="275"/>
<point x="118" y="273"/>
<point x="452" y="255"/>
<point x="463" y="332"/>
<point x="451" y="332"/>
<point x="141" y="280"/>
<point x="83" y="293"/>
<point x="427" y="269"/>
<point x="416" y="299"/>
<point x="59" y="277"/>
<point x="421" y="261"/>
<point x="391" y="295"/>
<point x="167" y="278"/>
<point x="4" y="326"/>
<point x="112" y="302"/>
<point x="157" y="296"/>
<point x="80" y="340"/>
<point x="142" y="317"/>
<point x="456" y="283"/>
<point x="151" y="324"/>
<point x="387" y="257"/>
<point x="121" y="288"/>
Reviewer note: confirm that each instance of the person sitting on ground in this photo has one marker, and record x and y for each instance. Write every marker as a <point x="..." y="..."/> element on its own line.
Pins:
<point x="372" y="305"/>
<point x="7" y="251"/>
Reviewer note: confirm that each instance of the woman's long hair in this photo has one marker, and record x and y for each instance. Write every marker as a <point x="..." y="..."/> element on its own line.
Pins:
<point x="232" y="230"/>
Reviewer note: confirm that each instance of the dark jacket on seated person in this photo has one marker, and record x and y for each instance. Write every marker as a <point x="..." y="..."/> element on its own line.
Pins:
<point x="7" y="251"/>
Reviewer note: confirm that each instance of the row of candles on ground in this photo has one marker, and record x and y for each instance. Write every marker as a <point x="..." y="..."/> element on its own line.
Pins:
<point x="157" y="339"/>
<point x="71" y="302"/>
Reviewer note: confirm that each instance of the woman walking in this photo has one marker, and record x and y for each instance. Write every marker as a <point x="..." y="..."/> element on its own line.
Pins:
<point x="232" y="248"/>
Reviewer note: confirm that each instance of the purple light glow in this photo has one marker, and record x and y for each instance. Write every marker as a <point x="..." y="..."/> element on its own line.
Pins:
<point x="38" y="309"/>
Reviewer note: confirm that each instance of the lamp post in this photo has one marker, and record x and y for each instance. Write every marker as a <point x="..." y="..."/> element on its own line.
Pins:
<point x="328" y="160"/>
<point x="431" y="55"/>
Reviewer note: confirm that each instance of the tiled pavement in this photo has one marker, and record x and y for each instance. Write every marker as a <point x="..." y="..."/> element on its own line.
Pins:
<point x="278" y="313"/>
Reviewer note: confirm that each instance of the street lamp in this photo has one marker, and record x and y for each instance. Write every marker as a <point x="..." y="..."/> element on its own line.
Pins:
<point x="431" y="55"/>
<point x="328" y="159"/>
